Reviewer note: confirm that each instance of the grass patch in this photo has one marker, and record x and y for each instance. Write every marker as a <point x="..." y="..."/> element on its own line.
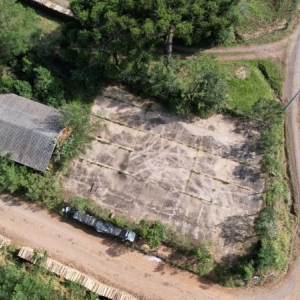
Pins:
<point x="273" y="74"/>
<point x="262" y="21"/>
<point x="246" y="84"/>
<point x="47" y="23"/>
<point x="274" y="224"/>
<point x="258" y="14"/>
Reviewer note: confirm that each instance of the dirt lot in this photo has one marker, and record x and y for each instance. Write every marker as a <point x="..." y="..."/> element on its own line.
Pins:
<point x="200" y="176"/>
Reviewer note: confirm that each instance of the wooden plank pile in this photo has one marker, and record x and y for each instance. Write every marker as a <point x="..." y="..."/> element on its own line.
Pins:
<point x="74" y="275"/>
<point x="4" y="241"/>
<point x="54" y="6"/>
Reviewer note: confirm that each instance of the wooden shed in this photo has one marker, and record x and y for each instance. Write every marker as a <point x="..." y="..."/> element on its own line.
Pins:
<point x="28" y="131"/>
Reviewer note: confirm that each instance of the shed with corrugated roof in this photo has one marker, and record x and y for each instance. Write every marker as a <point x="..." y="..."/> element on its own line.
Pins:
<point x="28" y="131"/>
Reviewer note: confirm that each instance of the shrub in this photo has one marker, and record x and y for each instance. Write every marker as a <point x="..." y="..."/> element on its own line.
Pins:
<point x="76" y="117"/>
<point x="273" y="75"/>
<point x="153" y="234"/>
<point x="196" y="87"/>
<point x="204" y="260"/>
<point x="248" y="271"/>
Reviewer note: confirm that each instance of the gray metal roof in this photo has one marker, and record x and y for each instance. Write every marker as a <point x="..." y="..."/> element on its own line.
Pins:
<point x="28" y="131"/>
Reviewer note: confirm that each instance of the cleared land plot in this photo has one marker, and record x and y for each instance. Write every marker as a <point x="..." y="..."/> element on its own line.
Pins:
<point x="196" y="175"/>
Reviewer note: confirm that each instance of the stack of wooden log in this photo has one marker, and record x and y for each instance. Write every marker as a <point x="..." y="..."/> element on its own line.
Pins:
<point x="55" y="7"/>
<point x="4" y="241"/>
<point x="74" y="275"/>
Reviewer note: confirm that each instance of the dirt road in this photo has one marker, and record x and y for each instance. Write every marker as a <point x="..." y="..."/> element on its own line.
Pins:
<point x="292" y="85"/>
<point x="275" y="51"/>
<point x="116" y="265"/>
<point x="103" y="259"/>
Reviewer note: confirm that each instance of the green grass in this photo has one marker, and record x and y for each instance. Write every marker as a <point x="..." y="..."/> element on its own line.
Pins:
<point x="254" y="14"/>
<point x="48" y="23"/>
<point x="243" y="93"/>
<point x="257" y="16"/>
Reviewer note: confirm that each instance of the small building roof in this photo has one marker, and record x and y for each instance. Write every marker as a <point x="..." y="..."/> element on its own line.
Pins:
<point x="28" y="131"/>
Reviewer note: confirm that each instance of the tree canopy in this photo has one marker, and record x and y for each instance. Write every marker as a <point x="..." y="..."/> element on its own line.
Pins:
<point x="184" y="86"/>
<point x="116" y="27"/>
<point x="17" y="29"/>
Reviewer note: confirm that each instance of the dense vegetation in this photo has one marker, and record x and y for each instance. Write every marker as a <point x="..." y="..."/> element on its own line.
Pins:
<point x="185" y="87"/>
<point x="20" y="280"/>
<point x="121" y="43"/>
<point x="116" y="28"/>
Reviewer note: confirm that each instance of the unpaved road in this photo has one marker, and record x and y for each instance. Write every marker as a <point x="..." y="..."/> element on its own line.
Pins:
<point x="105" y="260"/>
<point x="275" y="51"/>
<point x="116" y="265"/>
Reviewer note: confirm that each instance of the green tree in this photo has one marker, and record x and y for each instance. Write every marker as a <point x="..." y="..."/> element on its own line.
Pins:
<point x="23" y="88"/>
<point x="203" y="86"/>
<point x="18" y="28"/>
<point x="6" y="81"/>
<point x="196" y="87"/>
<point x="47" y="88"/>
<point x="115" y="27"/>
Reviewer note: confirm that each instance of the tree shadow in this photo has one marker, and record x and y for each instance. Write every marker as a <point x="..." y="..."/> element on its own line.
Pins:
<point x="116" y="247"/>
<point x="19" y="200"/>
<point x="247" y="173"/>
<point x="237" y="229"/>
<point x="11" y="200"/>
<point x="231" y="266"/>
<point x="160" y="268"/>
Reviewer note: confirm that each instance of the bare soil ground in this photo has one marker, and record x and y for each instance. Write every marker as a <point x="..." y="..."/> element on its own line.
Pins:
<point x="201" y="177"/>
<point x="275" y="51"/>
<point x="113" y="264"/>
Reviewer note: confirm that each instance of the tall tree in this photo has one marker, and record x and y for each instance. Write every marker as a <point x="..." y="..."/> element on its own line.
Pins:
<point x="117" y="26"/>
<point x="17" y="29"/>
